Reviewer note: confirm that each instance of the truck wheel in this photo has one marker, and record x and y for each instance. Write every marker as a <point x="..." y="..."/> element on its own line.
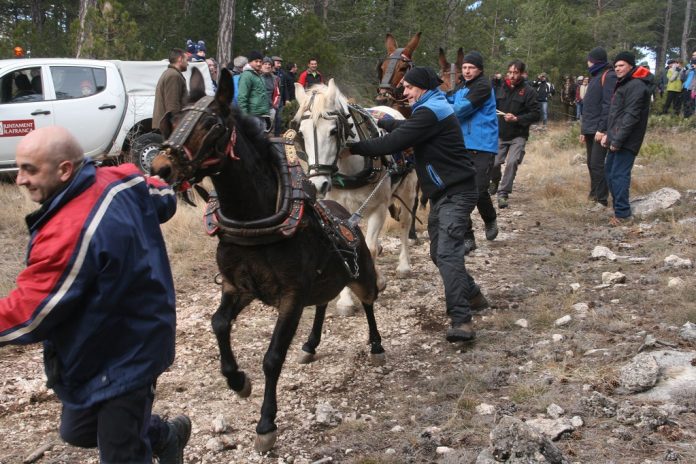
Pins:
<point x="144" y="149"/>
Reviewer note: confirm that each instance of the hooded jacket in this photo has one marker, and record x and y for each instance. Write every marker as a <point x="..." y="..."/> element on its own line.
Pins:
<point x="629" y="110"/>
<point x="252" y="97"/>
<point x="442" y="163"/>
<point x="474" y="105"/>
<point x="520" y="100"/>
<point x="595" y="105"/>
<point x="97" y="289"/>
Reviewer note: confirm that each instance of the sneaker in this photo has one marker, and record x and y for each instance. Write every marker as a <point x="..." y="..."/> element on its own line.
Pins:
<point x="492" y="188"/>
<point x="491" y="229"/>
<point x="461" y="333"/>
<point x="172" y="451"/>
<point x="478" y="302"/>
<point x="502" y="202"/>
<point x="469" y="245"/>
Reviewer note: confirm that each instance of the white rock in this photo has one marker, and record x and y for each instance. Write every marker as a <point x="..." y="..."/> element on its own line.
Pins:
<point x="611" y="278"/>
<point x="576" y="421"/>
<point x="557" y="338"/>
<point x="214" y="445"/>
<point x="551" y="428"/>
<point x="675" y="282"/>
<point x="603" y="252"/>
<point x="640" y="374"/>
<point x="326" y="414"/>
<point x="522" y="323"/>
<point x="655" y="201"/>
<point x="676" y="262"/>
<point x="688" y="332"/>
<point x="517" y="213"/>
<point x="554" y="411"/>
<point x="581" y="307"/>
<point x="443" y="449"/>
<point x="219" y="424"/>
<point x="485" y="409"/>
<point x="397" y="429"/>
<point x="391" y="451"/>
<point x="574" y="287"/>
<point x="565" y="320"/>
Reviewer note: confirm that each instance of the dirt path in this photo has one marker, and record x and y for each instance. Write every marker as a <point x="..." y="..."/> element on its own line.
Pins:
<point x="426" y="395"/>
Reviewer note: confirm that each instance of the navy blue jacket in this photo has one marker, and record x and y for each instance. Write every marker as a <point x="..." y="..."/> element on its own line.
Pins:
<point x="474" y="104"/>
<point x="595" y="105"/>
<point x="629" y="110"/>
<point x="442" y="162"/>
<point x="97" y="288"/>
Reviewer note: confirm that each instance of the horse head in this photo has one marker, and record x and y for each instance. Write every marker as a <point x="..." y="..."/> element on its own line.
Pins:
<point x="392" y="70"/>
<point x="324" y="123"/>
<point x="450" y="73"/>
<point x="199" y="137"/>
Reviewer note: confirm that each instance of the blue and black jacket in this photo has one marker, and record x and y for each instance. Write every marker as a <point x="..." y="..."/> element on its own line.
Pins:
<point x="474" y="105"/>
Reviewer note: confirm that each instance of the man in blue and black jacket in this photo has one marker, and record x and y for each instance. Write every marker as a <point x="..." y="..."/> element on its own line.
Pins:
<point x="473" y="102"/>
<point x="448" y="177"/>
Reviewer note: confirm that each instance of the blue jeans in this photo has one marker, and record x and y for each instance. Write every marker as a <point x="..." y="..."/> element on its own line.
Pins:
<point x="448" y="222"/>
<point x="544" y="111"/>
<point x="617" y="169"/>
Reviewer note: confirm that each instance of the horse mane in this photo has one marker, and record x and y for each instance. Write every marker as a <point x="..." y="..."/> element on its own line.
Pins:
<point x="320" y="106"/>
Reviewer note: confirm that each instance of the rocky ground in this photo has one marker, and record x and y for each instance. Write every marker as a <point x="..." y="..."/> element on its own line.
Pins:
<point x="583" y="357"/>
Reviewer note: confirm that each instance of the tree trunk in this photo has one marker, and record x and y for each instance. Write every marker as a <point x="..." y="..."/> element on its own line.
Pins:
<point x="225" y="32"/>
<point x="662" y="51"/>
<point x="686" y="31"/>
<point x="37" y="16"/>
<point x="83" y="33"/>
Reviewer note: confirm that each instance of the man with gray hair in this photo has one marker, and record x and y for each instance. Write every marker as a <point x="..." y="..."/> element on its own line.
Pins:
<point x="98" y="292"/>
<point x="237" y="67"/>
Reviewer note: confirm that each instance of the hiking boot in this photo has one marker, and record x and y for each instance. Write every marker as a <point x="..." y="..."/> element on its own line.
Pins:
<point x="469" y="245"/>
<point x="491" y="229"/>
<point x="463" y="332"/>
<point x="172" y="450"/>
<point x="478" y="302"/>
<point x="502" y="202"/>
<point x="492" y="188"/>
<point x="621" y="221"/>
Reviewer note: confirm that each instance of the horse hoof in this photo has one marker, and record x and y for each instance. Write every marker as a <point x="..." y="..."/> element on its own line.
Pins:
<point x="403" y="273"/>
<point x="264" y="442"/>
<point x="306" y="358"/>
<point x="378" y="359"/>
<point x="345" y="310"/>
<point x="246" y="389"/>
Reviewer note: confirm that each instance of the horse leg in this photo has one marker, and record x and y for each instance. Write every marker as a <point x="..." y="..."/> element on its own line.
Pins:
<point x="286" y="326"/>
<point x="407" y="191"/>
<point x="310" y="346"/>
<point x="412" y="230"/>
<point x="375" y="222"/>
<point x="231" y="305"/>
<point x="367" y="292"/>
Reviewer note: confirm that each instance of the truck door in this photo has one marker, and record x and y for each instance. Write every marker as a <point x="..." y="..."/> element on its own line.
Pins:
<point x="23" y="108"/>
<point x="90" y="102"/>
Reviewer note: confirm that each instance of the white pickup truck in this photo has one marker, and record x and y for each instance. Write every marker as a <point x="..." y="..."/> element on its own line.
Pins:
<point x="107" y="105"/>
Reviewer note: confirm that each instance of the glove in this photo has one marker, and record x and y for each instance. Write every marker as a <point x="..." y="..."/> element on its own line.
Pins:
<point x="382" y="123"/>
<point x="350" y="146"/>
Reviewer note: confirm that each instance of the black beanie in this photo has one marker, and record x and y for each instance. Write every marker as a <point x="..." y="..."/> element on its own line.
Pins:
<point x="254" y="55"/>
<point x="628" y="57"/>
<point x="597" y="55"/>
<point x="475" y="58"/>
<point x="423" y="77"/>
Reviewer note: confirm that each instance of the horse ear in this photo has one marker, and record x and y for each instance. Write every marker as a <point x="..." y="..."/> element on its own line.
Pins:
<point x="442" y="59"/>
<point x="331" y="93"/>
<point x="412" y="45"/>
<point x="165" y="125"/>
<point x="390" y="43"/>
<point x="300" y="94"/>
<point x="197" y="85"/>
<point x="460" y="58"/>
<point x="225" y="91"/>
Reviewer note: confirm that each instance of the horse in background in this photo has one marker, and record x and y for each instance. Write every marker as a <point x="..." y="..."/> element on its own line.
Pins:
<point x="276" y="244"/>
<point x="450" y="73"/>
<point x="391" y="71"/>
<point x="326" y="122"/>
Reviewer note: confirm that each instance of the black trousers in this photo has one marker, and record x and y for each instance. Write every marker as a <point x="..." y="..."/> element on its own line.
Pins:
<point x="673" y="99"/>
<point x="596" y="156"/>
<point x="123" y="428"/>
<point x="483" y="162"/>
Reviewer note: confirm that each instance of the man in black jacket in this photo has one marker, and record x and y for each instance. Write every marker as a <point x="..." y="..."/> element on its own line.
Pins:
<point x="545" y="91"/>
<point x="518" y="101"/>
<point x="627" y="123"/>
<point x="448" y="177"/>
<point x="595" y="112"/>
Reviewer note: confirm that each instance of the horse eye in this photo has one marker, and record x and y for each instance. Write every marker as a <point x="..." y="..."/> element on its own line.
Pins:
<point x="333" y="131"/>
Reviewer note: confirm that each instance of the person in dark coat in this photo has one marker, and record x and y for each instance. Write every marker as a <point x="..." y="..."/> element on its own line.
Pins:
<point x="171" y="92"/>
<point x="447" y="176"/>
<point x="595" y="113"/>
<point x="517" y="101"/>
<point x="626" y="127"/>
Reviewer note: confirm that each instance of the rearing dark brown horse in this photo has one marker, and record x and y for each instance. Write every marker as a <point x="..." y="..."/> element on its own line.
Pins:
<point x="258" y="255"/>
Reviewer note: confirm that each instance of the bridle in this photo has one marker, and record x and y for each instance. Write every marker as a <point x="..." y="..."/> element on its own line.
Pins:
<point x="394" y="92"/>
<point x="218" y="143"/>
<point x="344" y="131"/>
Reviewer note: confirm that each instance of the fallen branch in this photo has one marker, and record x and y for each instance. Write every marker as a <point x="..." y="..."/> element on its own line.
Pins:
<point x="39" y="452"/>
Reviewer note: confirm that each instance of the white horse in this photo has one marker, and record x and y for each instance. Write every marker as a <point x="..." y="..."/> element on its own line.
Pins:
<point x="325" y="123"/>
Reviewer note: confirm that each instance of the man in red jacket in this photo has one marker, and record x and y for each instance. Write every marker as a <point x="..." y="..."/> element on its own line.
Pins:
<point x="310" y="76"/>
<point x="98" y="291"/>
